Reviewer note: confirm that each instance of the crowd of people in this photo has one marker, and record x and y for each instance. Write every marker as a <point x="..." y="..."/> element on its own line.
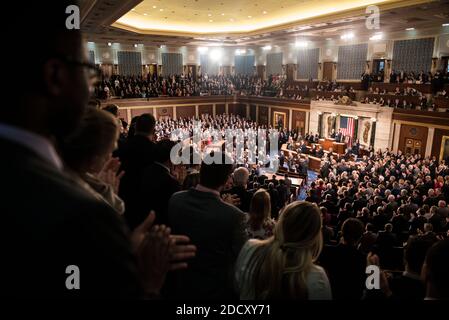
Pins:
<point x="421" y="104"/>
<point x="130" y="228"/>
<point x="185" y="85"/>
<point x="383" y="208"/>
<point x="182" y="85"/>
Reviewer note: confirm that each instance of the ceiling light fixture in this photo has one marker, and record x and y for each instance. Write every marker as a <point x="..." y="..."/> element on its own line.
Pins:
<point x="264" y="12"/>
<point x="215" y="54"/>
<point x="301" y="44"/>
<point x="135" y="45"/>
<point x="203" y="49"/>
<point x="145" y="14"/>
<point x="347" y="36"/>
<point x="266" y="48"/>
<point x="410" y="29"/>
<point x="154" y="7"/>
<point x="211" y="20"/>
<point x="109" y="44"/>
<point x="250" y="17"/>
<point x="161" y="10"/>
<point x="445" y="25"/>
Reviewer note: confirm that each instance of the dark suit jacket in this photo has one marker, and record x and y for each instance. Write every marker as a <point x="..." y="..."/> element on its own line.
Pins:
<point x="157" y="187"/>
<point x="49" y="223"/>
<point x="345" y="267"/>
<point x="244" y="195"/>
<point x="218" y="231"/>
<point x="136" y="155"/>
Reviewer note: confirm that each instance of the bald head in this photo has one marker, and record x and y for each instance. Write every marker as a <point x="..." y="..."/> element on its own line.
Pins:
<point x="241" y="176"/>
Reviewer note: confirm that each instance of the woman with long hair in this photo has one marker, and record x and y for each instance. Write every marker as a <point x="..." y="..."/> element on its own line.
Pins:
<point x="259" y="224"/>
<point x="282" y="266"/>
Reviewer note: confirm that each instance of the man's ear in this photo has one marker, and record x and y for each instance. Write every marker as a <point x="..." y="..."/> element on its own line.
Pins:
<point x="55" y="76"/>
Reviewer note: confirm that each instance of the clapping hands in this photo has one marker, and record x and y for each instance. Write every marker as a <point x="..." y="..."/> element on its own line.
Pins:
<point x="110" y="173"/>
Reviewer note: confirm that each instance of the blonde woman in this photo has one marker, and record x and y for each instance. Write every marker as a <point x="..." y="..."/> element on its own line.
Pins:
<point x="88" y="155"/>
<point x="260" y="225"/>
<point x="282" y="266"/>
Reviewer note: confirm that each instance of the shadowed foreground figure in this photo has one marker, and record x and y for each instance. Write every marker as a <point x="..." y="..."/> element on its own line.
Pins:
<point x="49" y="222"/>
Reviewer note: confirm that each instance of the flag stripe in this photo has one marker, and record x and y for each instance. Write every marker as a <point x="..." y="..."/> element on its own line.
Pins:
<point x="347" y="128"/>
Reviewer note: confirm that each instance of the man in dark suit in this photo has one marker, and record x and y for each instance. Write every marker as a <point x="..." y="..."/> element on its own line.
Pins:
<point x="409" y="284"/>
<point x="215" y="227"/>
<point x="239" y="188"/>
<point x="158" y="184"/>
<point x="136" y="155"/>
<point x="339" y="136"/>
<point x="303" y="148"/>
<point x="55" y="231"/>
<point x="345" y="265"/>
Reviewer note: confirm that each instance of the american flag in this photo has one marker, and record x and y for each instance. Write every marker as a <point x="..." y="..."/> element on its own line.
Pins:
<point x="347" y="128"/>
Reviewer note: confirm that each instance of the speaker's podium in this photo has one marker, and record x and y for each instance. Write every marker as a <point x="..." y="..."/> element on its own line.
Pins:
<point x="337" y="147"/>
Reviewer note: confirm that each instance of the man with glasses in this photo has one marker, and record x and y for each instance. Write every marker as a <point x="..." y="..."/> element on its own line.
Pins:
<point x="57" y="240"/>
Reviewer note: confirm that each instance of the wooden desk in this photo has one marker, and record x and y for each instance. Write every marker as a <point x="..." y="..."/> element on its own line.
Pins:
<point x="339" y="147"/>
<point x="297" y="182"/>
<point x="326" y="143"/>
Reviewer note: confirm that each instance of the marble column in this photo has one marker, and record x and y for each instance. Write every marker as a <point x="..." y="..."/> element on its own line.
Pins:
<point x="430" y="135"/>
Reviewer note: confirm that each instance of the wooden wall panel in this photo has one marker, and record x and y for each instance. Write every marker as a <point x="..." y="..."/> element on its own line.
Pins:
<point x="138" y="112"/>
<point x="252" y="112"/>
<point x="220" y="108"/>
<point x="205" y="109"/>
<point x="164" y="112"/>
<point x="263" y="115"/>
<point x="413" y="132"/>
<point x="299" y="120"/>
<point x="185" y="111"/>
<point x="436" y="143"/>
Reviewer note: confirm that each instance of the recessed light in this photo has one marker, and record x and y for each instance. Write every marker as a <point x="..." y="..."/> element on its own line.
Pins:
<point x="445" y="25"/>
<point x="264" y="12"/>
<point x="209" y="15"/>
<point x="133" y="9"/>
<point x="222" y="14"/>
<point x="145" y="14"/>
<point x="410" y="29"/>
<point x="348" y="35"/>
<point x="232" y="20"/>
<point x="154" y="7"/>
<point x="266" y="48"/>
<point x="109" y="44"/>
<point x="250" y="17"/>
<point x="161" y="10"/>
<point x="301" y="44"/>
<point x="135" y="45"/>
<point x="211" y="20"/>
